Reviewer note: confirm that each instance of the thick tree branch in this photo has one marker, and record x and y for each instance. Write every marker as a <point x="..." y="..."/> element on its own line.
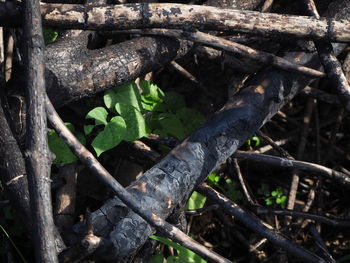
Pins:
<point x="38" y="159"/>
<point x="191" y="16"/>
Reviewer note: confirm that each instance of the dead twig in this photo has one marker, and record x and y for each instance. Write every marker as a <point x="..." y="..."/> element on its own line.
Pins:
<point x="227" y="45"/>
<point x="300" y="165"/>
<point x="255" y="224"/>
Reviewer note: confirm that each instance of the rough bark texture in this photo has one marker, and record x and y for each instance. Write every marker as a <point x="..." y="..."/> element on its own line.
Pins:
<point x="172" y="180"/>
<point x="38" y="156"/>
<point x="188" y="17"/>
<point x="74" y="72"/>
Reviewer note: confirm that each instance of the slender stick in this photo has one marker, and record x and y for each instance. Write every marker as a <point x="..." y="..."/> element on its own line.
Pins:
<point x="311" y="167"/>
<point x="37" y="151"/>
<point x="227" y="45"/>
<point x="90" y="161"/>
<point x="286" y="212"/>
<point x="256" y="224"/>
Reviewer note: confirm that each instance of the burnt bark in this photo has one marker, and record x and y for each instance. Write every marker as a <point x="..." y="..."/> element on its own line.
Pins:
<point x="187" y="165"/>
<point x="188" y="17"/>
<point x="74" y="72"/>
<point x="38" y="156"/>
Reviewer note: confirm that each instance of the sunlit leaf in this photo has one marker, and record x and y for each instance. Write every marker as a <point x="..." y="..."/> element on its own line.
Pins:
<point x="99" y="114"/>
<point x="111" y="136"/>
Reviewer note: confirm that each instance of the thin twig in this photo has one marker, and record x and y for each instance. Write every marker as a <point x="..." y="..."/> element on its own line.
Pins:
<point x="320" y="244"/>
<point x="286" y="212"/>
<point x="311" y="167"/>
<point x="242" y="182"/>
<point x="256" y="224"/>
<point x="227" y="45"/>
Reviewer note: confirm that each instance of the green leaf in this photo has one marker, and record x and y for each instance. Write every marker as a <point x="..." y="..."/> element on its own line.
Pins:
<point x="99" y="114"/>
<point x="191" y="119"/>
<point x="254" y="141"/>
<point x="125" y="94"/>
<point x="173" y="259"/>
<point x="157" y="258"/>
<point x="213" y="178"/>
<point x="88" y="129"/>
<point x="196" y="201"/>
<point x="49" y="35"/>
<point x="185" y="254"/>
<point x="268" y="201"/>
<point x="174" y="101"/>
<point x="111" y="136"/>
<point x="274" y="193"/>
<point x="170" y="124"/>
<point x="135" y="123"/>
<point x="151" y="93"/>
<point x="62" y="152"/>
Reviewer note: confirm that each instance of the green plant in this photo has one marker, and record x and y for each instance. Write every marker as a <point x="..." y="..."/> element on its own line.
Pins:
<point x="254" y="141"/>
<point x="50" y="35"/>
<point x="184" y="255"/>
<point x="131" y="115"/>
<point x="196" y="201"/>
<point x="63" y="155"/>
<point x="226" y="186"/>
<point x="274" y="197"/>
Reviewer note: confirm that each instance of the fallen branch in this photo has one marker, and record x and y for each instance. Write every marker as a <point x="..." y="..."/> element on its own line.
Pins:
<point x="114" y="17"/>
<point x="254" y="223"/>
<point x="331" y="65"/>
<point x="227" y="45"/>
<point x="300" y="165"/>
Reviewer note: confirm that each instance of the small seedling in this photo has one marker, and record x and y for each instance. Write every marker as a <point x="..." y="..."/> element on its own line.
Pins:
<point x="274" y="197"/>
<point x="226" y="186"/>
<point x="254" y="141"/>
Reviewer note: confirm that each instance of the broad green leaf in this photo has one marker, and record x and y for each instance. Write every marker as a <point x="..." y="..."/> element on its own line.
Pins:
<point x="190" y="118"/>
<point x="170" y="124"/>
<point x="196" y="201"/>
<point x="50" y="36"/>
<point x="125" y="94"/>
<point x="99" y="114"/>
<point x="62" y="152"/>
<point x="174" y="101"/>
<point x="151" y="93"/>
<point x="111" y="136"/>
<point x="135" y="123"/>
<point x="157" y="258"/>
<point x="88" y="129"/>
<point x="173" y="259"/>
<point x="185" y="255"/>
